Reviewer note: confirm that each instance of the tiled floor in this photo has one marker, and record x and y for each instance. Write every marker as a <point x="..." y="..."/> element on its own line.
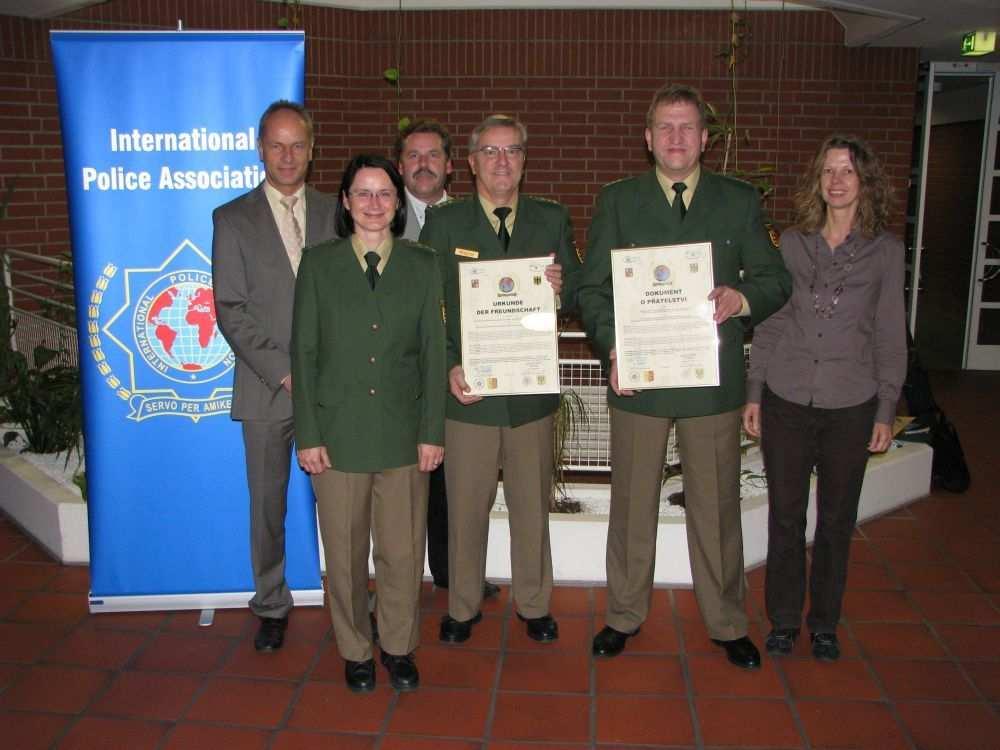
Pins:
<point x="921" y="667"/>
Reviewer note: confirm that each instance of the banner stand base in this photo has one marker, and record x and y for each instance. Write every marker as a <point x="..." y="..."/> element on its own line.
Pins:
<point x="210" y="601"/>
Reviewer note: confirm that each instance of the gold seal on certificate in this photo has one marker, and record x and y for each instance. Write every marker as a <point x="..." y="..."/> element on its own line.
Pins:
<point x="509" y="339"/>
<point x="664" y="333"/>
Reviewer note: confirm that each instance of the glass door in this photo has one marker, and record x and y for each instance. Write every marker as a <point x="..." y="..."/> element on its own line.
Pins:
<point x="953" y="279"/>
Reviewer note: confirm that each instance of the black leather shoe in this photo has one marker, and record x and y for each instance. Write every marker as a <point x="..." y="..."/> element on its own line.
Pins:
<point x="781" y="641"/>
<point x="457" y="631"/>
<point x="490" y="590"/>
<point x="825" y="646"/>
<point x="360" y="675"/>
<point x="611" y="642"/>
<point x="271" y="634"/>
<point x="403" y="674"/>
<point x="543" y="629"/>
<point x="741" y="652"/>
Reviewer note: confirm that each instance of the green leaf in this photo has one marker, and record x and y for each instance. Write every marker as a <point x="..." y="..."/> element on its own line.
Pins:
<point x="283" y="22"/>
<point x="391" y="75"/>
<point x="403" y="124"/>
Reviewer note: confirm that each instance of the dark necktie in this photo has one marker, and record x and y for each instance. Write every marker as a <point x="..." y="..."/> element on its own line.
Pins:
<point x="678" y="207"/>
<point x="503" y="235"/>
<point x="372" y="258"/>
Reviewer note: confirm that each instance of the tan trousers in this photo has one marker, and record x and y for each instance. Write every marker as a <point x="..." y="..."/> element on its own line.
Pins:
<point x="475" y="453"/>
<point x="390" y="506"/>
<point x="710" y="455"/>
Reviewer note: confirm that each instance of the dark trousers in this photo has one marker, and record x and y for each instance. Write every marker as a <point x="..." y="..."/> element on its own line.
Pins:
<point x="795" y="439"/>
<point x="437" y="527"/>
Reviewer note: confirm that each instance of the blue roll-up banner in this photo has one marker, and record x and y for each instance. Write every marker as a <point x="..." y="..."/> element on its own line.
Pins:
<point x="158" y="129"/>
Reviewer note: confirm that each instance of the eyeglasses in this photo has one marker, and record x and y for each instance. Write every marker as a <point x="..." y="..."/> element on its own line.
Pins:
<point x="384" y="196"/>
<point x="511" y="152"/>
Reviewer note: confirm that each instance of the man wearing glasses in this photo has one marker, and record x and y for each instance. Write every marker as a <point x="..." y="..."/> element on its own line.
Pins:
<point x="514" y="433"/>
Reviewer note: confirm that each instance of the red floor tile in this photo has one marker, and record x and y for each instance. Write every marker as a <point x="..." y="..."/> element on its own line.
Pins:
<point x="898" y="551"/>
<point x="746" y="723"/>
<point x="985" y="574"/>
<point x="645" y="720"/>
<point x="643" y="673"/>
<point x="951" y="726"/>
<point x="904" y="640"/>
<point x="131" y="620"/>
<point x="148" y="695"/>
<point x="295" y="740"/>
<point x="972" y="642"/>
<point x="329" y="707"/>
<point x="92" y="732"/>
<point x="207" y="737"/>
<point x="177" y="652"/>
<point x="851" y="725"/>
<point x="11" y="600"/>
<point x="897" y="527"/>
<point x="24" y="644"/>
<point x="574" y="635"/>
<point x="64" y="690"/>
<point x="420" y="712"/>
<point x="939" y="576"/>
<point x="29" y="731"/>
<point x="441" y="666"/>
<point x="33" y="553"/>
<point x="535" y="716"/>
<point x="952" y="607"/>
<point x="9" y="673"/>
<point x="847" y="679"/>
<point x="25" y="577"/>
<point x="288" y="663"/>
<point x="923" y="680"/>
<point x="254" y="703"/>
<point x="103" y="649"/>
<point x="986" y="676"/>
<point x="655" y="637"/>
<point x="868" y="576"/>
<point x="329" y="667"/>
<point x="879" y="606"/>
<point x="71" y="579"/>
<point x="51" y="608"/>
<point x="408" y="742"/>
<point x="548" y="673"/>
<point x="500" y="745"/>
<point x="712" y="674"/>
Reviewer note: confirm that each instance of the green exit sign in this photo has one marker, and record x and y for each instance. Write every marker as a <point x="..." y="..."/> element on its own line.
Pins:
<point x="977" y="43"/>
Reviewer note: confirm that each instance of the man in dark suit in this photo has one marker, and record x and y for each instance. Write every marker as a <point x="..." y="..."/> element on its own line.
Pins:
<point x="423" y="154"/>
<point x="256" y="248"/>
<point x="675" y="203"/>
<point x="512" y="432"/>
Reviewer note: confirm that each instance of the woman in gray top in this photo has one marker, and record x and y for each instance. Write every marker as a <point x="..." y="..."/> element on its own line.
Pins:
<point x="825" y="375"/>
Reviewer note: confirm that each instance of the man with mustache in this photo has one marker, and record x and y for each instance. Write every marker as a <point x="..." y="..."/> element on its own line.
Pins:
<point x="423" y="154"/>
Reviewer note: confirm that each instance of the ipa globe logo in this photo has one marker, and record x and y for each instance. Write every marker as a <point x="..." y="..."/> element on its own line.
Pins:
<point x="175" y="328"/>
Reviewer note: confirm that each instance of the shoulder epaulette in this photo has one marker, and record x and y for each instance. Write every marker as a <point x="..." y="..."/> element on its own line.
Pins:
<point x="543" y="199"/>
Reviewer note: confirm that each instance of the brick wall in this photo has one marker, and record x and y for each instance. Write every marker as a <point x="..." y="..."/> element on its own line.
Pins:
<point x="581" y="81"/>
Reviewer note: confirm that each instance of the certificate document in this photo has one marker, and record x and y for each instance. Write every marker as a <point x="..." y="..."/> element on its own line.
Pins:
<point x="664" y="333"/>
<point x="509" y="338"/>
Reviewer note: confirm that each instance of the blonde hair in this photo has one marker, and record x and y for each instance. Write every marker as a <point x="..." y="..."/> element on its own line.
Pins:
<point x="875" y="194"/>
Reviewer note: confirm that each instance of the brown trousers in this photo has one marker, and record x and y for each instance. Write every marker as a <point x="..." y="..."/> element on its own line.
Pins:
<point x="710" y="455"/>
<point x="475" y="453"/>
<point x="390" y="506"/>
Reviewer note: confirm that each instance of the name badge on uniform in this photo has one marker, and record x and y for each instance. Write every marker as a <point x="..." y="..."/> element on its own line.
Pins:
<point x="466" y="253"/>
